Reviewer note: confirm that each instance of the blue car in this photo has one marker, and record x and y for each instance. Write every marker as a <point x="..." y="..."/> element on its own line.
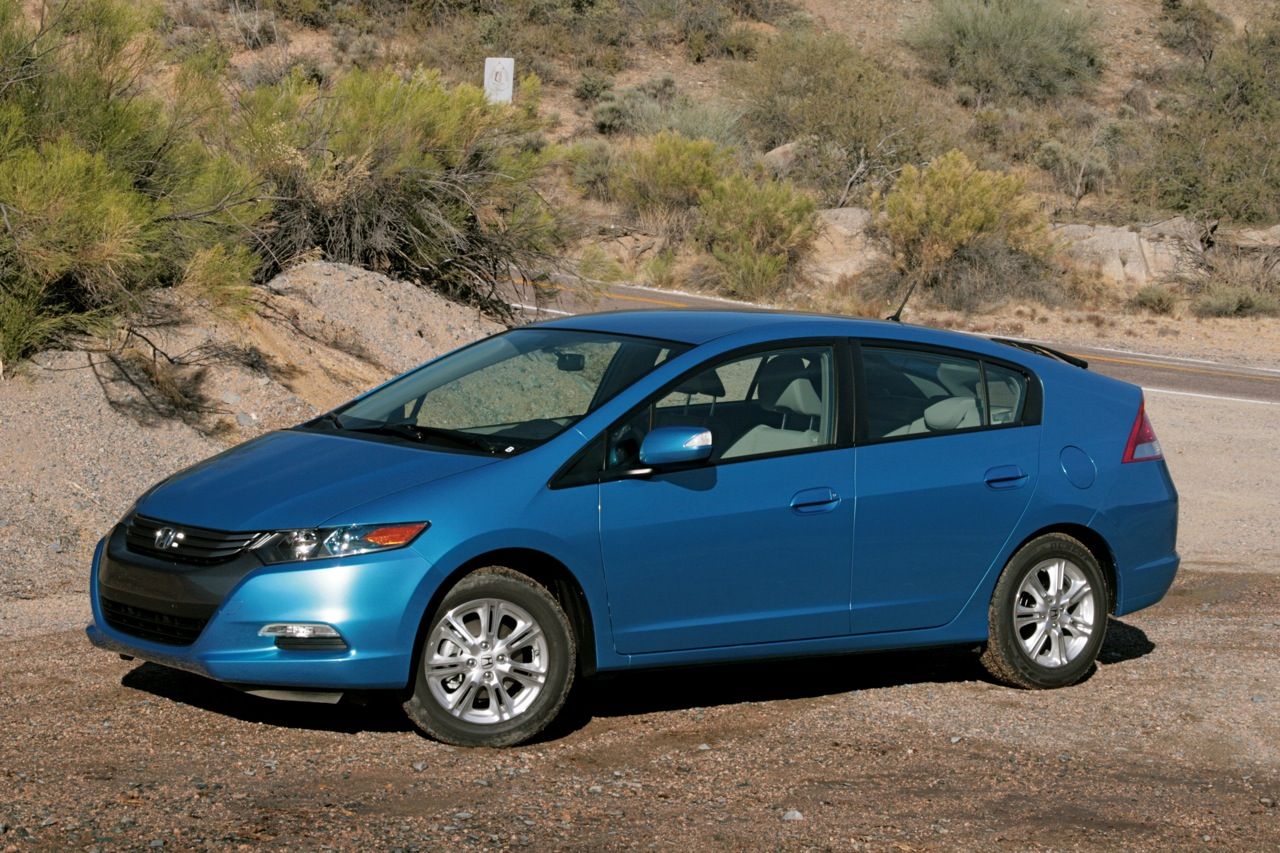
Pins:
<point x="646" y="489"/>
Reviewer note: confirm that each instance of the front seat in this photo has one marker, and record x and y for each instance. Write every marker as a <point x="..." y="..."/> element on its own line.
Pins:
<point x="786" y="386"/>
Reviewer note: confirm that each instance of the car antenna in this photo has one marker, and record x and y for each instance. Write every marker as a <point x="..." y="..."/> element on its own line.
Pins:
<point x="896" y="316"/>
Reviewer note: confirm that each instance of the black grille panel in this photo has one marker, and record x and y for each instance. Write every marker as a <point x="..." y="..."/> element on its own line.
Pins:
<point x="197" y="545"/>
<point x="151" y="624"/>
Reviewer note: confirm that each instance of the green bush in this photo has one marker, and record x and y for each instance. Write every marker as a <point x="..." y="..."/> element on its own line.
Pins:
<point x="1215" y="152"/>
<point x="1000" y="49"/>
<point x="1237" y="283"/>
<point x="105" y="190"/>
<point x="407" y="176"/>
<point x="665" y="176"/>
<point x="934" y="215"/>
<point x="592" y="164"/>
<point x="855" y="123"/>
<point x="757" y="231"/>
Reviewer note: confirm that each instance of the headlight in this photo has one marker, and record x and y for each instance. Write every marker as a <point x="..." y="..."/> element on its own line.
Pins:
<point x="287" y="546"/>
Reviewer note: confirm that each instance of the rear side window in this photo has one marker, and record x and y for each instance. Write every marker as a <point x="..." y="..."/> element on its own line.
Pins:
<point x="916" y="392"/>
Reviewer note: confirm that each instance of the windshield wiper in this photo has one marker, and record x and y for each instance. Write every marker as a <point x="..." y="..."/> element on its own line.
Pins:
<point x="426" y="434"/>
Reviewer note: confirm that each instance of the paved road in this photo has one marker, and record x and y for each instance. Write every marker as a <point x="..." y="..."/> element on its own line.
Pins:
<point x="1153" y="372"/>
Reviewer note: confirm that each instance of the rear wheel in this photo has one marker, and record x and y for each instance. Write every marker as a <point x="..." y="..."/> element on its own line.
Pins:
<point x="1048" y="615"/>
<point x="497" y="662"/>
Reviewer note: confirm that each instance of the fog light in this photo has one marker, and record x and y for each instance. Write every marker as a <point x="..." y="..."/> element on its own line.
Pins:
<point x="303" y="635"/>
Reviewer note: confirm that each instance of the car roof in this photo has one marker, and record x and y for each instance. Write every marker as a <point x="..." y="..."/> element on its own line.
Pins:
<point x="698" y="325"/>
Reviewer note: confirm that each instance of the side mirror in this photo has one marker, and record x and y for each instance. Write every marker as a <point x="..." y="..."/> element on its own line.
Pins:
<point x="675" y="446"/>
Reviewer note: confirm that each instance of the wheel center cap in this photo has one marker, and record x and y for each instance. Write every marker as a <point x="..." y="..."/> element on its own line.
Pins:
<point x="486" y="662"/>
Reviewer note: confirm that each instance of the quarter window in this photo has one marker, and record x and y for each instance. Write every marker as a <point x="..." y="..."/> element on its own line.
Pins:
<point x="914" y="392"/>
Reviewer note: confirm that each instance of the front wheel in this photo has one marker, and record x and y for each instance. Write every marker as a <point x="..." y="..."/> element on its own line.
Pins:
<point x="497" y="662"/>
<point x="1048" y="615"/>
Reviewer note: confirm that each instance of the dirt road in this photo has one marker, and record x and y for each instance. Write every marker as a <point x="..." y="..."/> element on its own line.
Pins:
<point x="1173" y="743"/>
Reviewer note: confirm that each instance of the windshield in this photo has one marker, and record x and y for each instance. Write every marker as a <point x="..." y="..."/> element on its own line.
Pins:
<point x="505" y="394"/>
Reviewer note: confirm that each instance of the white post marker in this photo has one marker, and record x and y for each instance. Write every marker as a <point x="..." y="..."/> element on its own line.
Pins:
<point x="499" y="79"/>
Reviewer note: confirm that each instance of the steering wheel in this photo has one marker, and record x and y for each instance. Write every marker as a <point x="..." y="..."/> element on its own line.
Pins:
<point x="624" y="447"/>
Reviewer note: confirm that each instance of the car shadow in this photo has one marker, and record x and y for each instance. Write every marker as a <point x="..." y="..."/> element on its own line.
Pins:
<point x="371" y="713"/>
<point x="629" y="693"/>
<point x="648" y="691"/>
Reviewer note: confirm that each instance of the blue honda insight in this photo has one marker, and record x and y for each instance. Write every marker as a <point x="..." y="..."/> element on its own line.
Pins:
<point x="645" y="489"/>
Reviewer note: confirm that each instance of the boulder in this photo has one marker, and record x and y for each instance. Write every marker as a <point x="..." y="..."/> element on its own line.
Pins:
<point x="1253" y="238"/>
<point x="780" y="160"/>
<point x="844" y="245"/>
<point x="1113" y="253"/>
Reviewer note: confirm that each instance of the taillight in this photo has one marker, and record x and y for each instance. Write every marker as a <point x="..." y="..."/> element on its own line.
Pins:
<point x="1143" y="445"/>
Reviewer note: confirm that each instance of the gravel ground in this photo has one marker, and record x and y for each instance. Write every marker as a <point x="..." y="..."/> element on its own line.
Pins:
<point x="1173" y="742"/>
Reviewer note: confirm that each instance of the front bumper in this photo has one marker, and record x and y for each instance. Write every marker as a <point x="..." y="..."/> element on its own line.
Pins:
<point x="375" y="601"/>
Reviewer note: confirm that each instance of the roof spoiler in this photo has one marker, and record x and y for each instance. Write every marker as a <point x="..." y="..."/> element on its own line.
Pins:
<point x="1041" y="349"/>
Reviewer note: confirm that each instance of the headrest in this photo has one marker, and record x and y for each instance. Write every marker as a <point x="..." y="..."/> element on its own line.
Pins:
<point x="707" y="383"/>
<point x="951" y="413"/>
<point x="799" y="397"/>
<point x="776" y="374"/>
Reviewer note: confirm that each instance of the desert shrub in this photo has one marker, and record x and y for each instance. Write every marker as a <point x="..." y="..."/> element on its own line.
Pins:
<point x="592" y="164"/>
<point x="756" y="231"/>
<point x="660" y="270"/>
<point x="661" y="178"/>
<point x="1191" y="27"/>
<point x="1217" y="153"/>
<point x="255" y="26"/>
<point x="592" y="86"/>
<point x="1081" y="166"/>
<point x="952" y="218"/>
<point x="739" y="42"/>
<point x="105" y="191"/>
<point x="1155" y="298"/>
<point x="1224" y="300"/>
<point x="855" y="123"/>
<point x="596" y="265"/>
<point x="656" y="106"/>
<point x="1236" y="283"/>
<point x="1000" y="49"/>
<point x="404" y="175"/>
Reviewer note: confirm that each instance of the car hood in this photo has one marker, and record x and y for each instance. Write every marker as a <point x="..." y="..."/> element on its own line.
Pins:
<point x="295" y="478"/>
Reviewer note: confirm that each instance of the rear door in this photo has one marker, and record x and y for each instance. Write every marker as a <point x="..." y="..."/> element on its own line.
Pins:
<point x="947" y="461"/>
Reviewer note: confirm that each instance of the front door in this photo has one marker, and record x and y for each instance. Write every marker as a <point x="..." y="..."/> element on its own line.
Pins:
<point x="753" y="547"/>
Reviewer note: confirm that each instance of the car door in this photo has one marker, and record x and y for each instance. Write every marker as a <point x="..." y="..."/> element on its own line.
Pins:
<point x="753" y="546"/>
<point x="947" y="462"/>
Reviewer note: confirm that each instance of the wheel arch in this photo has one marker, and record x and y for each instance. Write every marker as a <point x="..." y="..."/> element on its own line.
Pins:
<point x="541" y="567"/>
<point x="1097" y="545"/>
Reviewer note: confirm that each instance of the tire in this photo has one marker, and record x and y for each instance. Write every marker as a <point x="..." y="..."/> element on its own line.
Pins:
<point x="482" y="679"/>
<point x="1048" y="615"/>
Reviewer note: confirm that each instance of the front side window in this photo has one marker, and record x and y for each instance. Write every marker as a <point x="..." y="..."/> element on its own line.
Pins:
<point x="505" y="394"/>
<point x="755" y="405"/>
<point x="915" y="392"/>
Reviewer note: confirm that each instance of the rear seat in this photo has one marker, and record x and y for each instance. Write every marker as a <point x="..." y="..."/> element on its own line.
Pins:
<point x="950" y="413"/>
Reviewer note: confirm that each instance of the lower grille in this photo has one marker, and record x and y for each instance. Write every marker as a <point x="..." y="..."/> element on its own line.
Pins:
<point x="152" y="625"/>
<point x="182" y="543"/>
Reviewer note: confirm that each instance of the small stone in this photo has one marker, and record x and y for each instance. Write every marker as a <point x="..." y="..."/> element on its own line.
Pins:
<point x="157" y="843"/>
<point x="462" y="816"/>
<point x="703" y="747"/>
<point x="792" y="814"/>
<point x="1265" y="801"/>
<point x="1258" y="698"/>
<point x="1064" y="757"/>
<point x="595" y="789"/>
<point x="245" y="419"/>
<point x="483" y="783"/>
<point x="419" y="766"/>
<point x="4" y="827"/>
<point x="1206" y="838"/>
<point x="231" y="398"/>
<point x="955" y="738"/>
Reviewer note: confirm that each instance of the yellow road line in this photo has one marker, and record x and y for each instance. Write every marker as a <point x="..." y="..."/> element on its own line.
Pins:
<point x="1162" y="365"/>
